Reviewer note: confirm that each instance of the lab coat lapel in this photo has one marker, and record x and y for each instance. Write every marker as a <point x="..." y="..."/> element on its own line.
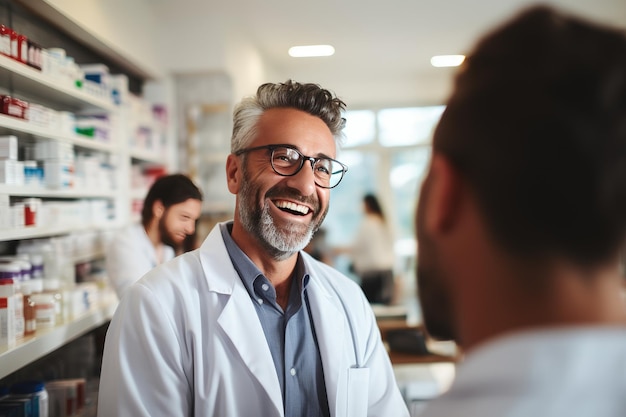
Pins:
<point x="330" y="328"/>
<point x="240" y="323"/>
<point x="239" y="319"/>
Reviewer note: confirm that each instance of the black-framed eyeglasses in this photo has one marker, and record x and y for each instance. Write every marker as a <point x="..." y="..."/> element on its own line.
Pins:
<point x="288" y="161"/>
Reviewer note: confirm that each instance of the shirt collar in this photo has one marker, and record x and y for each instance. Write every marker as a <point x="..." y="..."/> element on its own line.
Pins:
<point x="248" y="271"/>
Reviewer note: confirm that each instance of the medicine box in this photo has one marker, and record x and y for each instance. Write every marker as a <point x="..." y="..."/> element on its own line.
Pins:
<point x="58" y="174"/>
<point x="11" y="172"/>
<point x="8" y="147"/>
<point x="54" y="150"/>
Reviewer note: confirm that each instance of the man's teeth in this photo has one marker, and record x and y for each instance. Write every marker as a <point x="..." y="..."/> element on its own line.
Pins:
<point x="292" y="206"/>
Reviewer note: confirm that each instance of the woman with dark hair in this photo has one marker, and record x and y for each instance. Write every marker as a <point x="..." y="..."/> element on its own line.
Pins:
<point x="372" y="253"/>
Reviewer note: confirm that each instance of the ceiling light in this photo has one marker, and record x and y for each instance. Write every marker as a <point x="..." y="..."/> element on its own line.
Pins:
<point x="311" y="50"/>
<point x="447" y="60"/>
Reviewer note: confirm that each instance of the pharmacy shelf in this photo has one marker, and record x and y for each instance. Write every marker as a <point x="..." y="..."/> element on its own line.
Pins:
<point x="143" y="155"/>
<point x="45" y="341"/>
<point x="70" y="193"/>
<point x="16" y="126"/>
<point x="87" y="257"/>
<point x="35" y="232"/>
<point x="29" y="81"/>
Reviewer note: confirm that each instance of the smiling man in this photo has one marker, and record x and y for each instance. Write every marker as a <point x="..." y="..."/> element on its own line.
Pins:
<point x="249" y="324"/>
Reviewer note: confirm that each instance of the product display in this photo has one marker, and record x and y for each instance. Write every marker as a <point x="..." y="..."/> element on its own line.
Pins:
<point x="66" y="151"/>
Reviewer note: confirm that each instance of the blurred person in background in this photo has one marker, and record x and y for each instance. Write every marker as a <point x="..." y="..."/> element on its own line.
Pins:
<point x="522" y="220"/>
<point x="372" y="253"/>
<point x="168" y="220"/>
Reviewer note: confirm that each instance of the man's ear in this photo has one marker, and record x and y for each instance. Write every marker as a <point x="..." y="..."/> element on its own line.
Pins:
<point x="158" y="209"/>
<point x="444" y="202"/>
<point x="233" y="173"/>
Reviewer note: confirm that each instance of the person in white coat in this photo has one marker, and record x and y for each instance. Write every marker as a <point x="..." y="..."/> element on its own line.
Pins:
<point x="168" y="217"/>
<point x="372" y="253"/>
<point x="249" y="324"/>
<point x="521" y="223"/>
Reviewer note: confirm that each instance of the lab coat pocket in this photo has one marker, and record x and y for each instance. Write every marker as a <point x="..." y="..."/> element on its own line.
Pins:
<point x="358" y="390"/>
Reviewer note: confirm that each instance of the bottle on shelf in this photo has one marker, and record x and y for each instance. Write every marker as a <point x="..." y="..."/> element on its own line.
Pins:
<point x="52" y="286"/>
<point x="30" y="314"/>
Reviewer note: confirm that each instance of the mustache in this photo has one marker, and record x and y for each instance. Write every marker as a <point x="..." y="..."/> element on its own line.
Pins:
<point x="293" y="194"/>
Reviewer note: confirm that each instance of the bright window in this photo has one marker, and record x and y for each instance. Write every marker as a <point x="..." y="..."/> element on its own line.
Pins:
<point x="360" y="128"/>
<point x="345" y="210"/>
<point x="408" y="126"/>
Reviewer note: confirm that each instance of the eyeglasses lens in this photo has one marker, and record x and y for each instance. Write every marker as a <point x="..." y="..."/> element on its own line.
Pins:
<point x="288" y="161"/>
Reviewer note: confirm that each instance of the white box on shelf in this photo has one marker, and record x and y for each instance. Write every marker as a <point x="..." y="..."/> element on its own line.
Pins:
<point x="11" y="172"/>
<point x="33" y="174"/>
<point x="98" y="73"/>
<point x="58" y="174"/>
<point x="5" y="217"/>
<point x="5" y="211"/>
<point x="52" y="149"/>
<point x="119" y="88"/>
<point x="8" y="147"/>
<point x="66" y="123"/>
<point x="17" y="215"/>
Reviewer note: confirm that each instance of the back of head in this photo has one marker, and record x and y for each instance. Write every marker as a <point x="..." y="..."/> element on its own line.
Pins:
<point x="309" y="98"/>
<point x="373" y="205"/>
<point x="169" y="189"/>
<point x="537" y="126"/>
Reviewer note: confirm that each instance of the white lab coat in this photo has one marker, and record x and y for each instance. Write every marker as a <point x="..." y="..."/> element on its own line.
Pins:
<point x="129" y="255"/>
<point x="186" y="341"/>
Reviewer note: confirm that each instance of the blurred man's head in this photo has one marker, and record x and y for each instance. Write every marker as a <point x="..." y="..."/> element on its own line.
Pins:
<point x="172" y="206"/>
<point x="535" y="131"/>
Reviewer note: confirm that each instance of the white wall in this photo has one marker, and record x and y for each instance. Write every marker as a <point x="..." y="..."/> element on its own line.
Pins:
<point x="204" y="42"/>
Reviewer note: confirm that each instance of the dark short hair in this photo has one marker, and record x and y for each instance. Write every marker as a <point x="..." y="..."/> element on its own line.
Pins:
<point x="537" y="126"/>
<point x="169" y="189"/>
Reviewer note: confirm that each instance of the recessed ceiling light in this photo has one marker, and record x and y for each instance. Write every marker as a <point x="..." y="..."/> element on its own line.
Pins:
<point x="447" y="60"/>
<point x="311" y="50"/>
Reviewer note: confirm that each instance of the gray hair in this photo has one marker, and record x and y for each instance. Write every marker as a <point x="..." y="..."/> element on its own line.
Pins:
<point x="310" y="98"/>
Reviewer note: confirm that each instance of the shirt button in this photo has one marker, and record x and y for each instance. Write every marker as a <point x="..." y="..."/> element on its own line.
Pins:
<point x="265" y="287"/>
<point x="260" y="301"/>
<point x="292" y="371"/>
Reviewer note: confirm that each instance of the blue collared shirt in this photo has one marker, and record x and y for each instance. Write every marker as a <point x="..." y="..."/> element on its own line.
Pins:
<point x="290" y="334"/>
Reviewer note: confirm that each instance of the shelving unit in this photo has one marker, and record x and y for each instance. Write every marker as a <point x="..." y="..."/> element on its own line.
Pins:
<point x="24" y="82"/>
<point x="35" y="232"/>
<point x="12" y="125"/>
<point x="32" y="82"/>
<point x="73" y="193"/>
<point x="143" y="156"/>
<point x="45" y="341"/>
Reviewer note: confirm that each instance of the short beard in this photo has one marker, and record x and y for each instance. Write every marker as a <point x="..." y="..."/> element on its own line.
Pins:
<point x="434" y="297"/>
<point x="279" y="244"/>
<point x="166" y="236"/>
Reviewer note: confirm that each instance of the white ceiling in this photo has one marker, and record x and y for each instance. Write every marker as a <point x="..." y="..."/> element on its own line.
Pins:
<point x="383" y="48"/>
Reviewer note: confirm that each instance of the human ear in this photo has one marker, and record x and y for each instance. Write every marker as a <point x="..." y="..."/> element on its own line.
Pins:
<point x="158" y="209"/>
<point x="445" y="193"/>
<point x="233" y="173"/>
